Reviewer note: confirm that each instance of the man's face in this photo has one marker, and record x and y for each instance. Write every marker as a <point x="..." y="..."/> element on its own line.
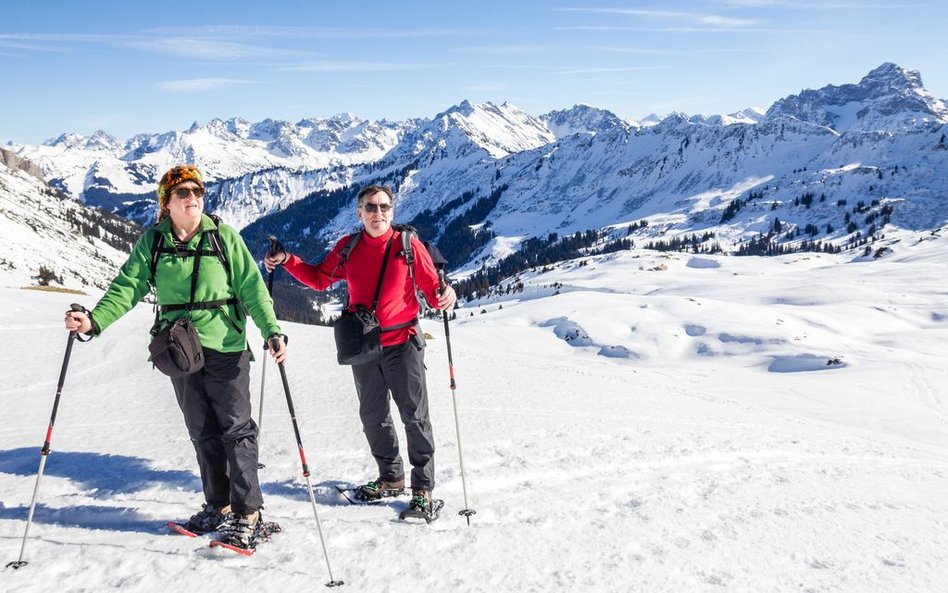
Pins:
<point x="376" y="213"/>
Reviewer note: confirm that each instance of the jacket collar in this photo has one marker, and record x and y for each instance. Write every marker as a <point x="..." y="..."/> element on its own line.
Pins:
<point x="207" y="224"/>
<point x="376" y="241"/>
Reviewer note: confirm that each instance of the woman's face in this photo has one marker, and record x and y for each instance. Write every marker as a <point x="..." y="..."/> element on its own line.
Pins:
<point x="186" y="204"/>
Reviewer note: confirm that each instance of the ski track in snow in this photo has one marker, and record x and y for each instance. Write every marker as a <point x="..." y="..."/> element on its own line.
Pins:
<point x="668" y="470"/>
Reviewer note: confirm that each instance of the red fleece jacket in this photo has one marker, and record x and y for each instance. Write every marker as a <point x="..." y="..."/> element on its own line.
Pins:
<point x="397" y="302"/>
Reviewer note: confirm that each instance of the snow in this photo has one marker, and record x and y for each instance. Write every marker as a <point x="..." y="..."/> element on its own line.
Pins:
<point x="657" y="422"/>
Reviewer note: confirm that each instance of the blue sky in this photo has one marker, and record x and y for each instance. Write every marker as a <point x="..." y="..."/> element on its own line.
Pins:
<point x="128" y="67"/>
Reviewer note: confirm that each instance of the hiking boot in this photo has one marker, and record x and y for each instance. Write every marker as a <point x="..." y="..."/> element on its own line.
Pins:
<point x="379" y="488"/>
<point x="241" y="530"/>
<point x="209" y="518"/>
<point x="420" y="500"/>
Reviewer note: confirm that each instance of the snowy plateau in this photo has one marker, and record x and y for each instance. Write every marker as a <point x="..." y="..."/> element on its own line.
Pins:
<point x="639" y="420"/>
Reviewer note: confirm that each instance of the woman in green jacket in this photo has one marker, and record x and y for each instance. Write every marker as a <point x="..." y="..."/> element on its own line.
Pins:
<point x="215" y="400"/>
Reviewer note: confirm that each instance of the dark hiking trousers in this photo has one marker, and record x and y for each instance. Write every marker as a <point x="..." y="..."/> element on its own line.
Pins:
<point x="401" y="370"/>
<point x="216" y="406"/>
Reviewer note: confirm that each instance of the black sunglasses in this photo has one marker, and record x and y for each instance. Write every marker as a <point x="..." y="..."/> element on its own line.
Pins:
<point x="371" y="207"/>
<point x="183" y="192"/>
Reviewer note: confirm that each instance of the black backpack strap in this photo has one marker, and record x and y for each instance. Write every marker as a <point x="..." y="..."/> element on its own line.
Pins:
<point x="217" y="245"/>
<point x="378" y="287"/>
<point x="197" y="268"/>
<point x="157" y="243"/>
<point x="347" y="250"/>
<point x="392" y="328"/>
<point x="407" y="232"/>
<point x="344" y="254"/>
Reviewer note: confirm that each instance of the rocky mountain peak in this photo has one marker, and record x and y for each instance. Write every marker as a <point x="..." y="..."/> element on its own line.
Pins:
<point x="888" y="97"/>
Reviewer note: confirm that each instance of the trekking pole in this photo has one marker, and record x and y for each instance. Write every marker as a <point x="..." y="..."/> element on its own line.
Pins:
<point x="466" y="512"/>
<point x="299" y="444"/>
<point x="44" y="452"/>
<point x="275" y="247"/>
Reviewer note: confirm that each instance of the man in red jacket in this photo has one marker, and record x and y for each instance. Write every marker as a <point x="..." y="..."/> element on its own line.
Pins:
<point x="401" y="368"/>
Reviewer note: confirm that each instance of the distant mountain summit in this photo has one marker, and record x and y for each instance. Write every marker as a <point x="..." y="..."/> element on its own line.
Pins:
<point x="888" y="98"/>
<point x="498" y="129"/>
<point x="834" y="166"/>
<point x="582" y="119"/>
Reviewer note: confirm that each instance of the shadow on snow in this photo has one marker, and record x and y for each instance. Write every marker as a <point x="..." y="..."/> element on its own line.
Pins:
<point x="88" y="517"/>
<point x="100" y="474"/>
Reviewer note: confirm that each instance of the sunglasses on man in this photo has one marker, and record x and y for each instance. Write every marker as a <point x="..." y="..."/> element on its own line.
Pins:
<point x="373" y="208"/>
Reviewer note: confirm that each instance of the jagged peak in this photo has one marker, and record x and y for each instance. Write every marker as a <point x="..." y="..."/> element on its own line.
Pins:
<point x="893" y="76"/>
<point x="888" y="97"/>
<point x="582" y="118"/>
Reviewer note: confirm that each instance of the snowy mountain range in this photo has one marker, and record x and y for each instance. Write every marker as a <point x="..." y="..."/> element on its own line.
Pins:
<point x="839" y="162"/>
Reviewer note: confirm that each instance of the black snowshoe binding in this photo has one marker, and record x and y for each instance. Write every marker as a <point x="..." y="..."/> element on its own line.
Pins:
<point x="208" y="519"/>
<point x="422" y="506"/>
<point x="378" y="489"/>
<point x="243" y="533"/>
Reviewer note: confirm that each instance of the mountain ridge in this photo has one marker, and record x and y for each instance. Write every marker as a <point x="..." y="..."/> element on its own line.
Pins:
<point x="495" y="176"/>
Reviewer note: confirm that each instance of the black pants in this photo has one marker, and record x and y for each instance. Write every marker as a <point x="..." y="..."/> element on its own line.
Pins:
<point x="216" y="406"/>
<point x="401" y="371"/>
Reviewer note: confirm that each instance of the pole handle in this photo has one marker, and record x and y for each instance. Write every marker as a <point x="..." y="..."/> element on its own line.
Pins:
<point x="275" y="246"/>
<point x="274" y="341"/>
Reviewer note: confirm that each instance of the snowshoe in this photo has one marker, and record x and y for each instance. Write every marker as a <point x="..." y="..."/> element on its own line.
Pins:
<point x="422" y="506"/>
<point x="205" y="521"/>
<point x="243" y="533"/>
<point x="374" y="492"/>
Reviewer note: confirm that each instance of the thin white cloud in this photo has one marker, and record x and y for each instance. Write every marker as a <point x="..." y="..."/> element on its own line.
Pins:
<point x="823" y="5"/>
<point x="9" y="44"/>
<point x="606" y="70"/>
<point x="711" y="20"/>
<point x="670" y="52"/>
<point x="199" y="85"/>
<point x="346" y="66"/>
<point x="251" y="31"/>
<point x="209" y="49"/>
<point x="605" y="28"/>
<point x="505" y="49"/>
<point x="62" y="37"/>
<point x="630" y="50"/>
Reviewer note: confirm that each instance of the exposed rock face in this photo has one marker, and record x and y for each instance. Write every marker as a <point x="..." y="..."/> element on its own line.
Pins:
<point x="20" y="164"/>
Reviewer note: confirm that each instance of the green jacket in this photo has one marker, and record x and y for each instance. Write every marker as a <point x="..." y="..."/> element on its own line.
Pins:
<point x="173" y="285"/>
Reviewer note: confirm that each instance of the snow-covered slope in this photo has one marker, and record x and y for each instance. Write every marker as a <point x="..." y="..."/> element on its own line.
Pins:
<point x="51" y="239"/>
<point x="666" y="422"/>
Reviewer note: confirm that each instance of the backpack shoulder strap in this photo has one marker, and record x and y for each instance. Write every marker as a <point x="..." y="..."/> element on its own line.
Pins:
<point x="407" y="233"/>
<point x="157" y="243"/>
<point x="347" y="250"/>
<point x="216" y="244"/>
